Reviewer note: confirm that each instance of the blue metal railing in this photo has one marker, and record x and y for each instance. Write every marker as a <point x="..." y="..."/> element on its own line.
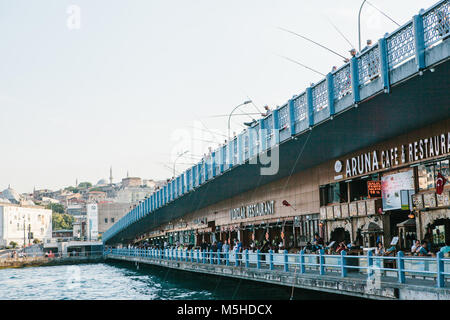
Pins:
<point x="318" y="103"/>
<point x="369" y="266"/>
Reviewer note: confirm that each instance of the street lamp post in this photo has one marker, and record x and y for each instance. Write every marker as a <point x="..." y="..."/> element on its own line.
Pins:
<point x="229" y="117"/>
<point x="174" y="163"/>
<point x="359" y="24"/>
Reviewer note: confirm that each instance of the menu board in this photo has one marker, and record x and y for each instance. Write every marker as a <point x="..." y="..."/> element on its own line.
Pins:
<point x="443" y="199"/>
<point x="330" y="212"/>
<point x="374" y="189"/>
<point x="323" y="213"/>
<point x="344" y="210"/>
<point x="429" y="200"/>
<point x="370" y="205"/>
<point x="337" y="211"/>
<point x="362" y="208"/>
<point x="391" y="185"/>
<point x="418" y="201"/>
<point x="353" y="209"/>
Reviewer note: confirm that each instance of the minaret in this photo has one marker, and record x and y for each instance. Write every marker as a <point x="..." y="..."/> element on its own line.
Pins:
<point x="127" y="174"/>
<point x="76" y="182"/>
<point x="110" y="176"/>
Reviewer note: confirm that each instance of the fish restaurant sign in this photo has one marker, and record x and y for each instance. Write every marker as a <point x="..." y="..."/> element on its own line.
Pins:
<point x="253" y="210"/>
<point x="376" y="160"/>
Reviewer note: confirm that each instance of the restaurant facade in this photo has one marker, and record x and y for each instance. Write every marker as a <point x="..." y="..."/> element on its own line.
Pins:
<point x="389" y="189"/>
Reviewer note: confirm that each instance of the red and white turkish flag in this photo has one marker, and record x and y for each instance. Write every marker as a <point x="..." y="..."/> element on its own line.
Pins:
<point x="285" y="203"/>
<point x="440" y="182"/>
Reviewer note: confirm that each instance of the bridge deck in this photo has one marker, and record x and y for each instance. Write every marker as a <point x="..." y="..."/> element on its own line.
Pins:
<point x="354" y="284"/>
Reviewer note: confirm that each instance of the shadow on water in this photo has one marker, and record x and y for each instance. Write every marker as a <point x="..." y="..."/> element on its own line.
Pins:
<point x="219" y="288"/>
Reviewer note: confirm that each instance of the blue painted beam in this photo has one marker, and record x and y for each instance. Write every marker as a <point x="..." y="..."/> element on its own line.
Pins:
<point x="355" y="79"/>
<point x="384" y="64"/>
<point x="213" y="163"/>
<point x="276" y="127"/>
<point x="240" y="148"/>
<point x="262" y="136"/>
<point x="330" y="90"/>
<point x="309" y="101"/>
<point x="251" y="142"/>
<point x="419" y="39"/>
<point x="291" y="116"/>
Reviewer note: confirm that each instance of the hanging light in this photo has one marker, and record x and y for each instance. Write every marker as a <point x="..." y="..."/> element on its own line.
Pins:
<point x="411" y="216"/>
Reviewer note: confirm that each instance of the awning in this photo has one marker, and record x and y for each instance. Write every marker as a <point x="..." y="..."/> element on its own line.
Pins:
<point x="371" y="227"/>
<point x="407" y="223"/>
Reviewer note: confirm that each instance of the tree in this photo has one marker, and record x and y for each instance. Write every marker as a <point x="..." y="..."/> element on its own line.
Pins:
<point x="36" y="241"/>
<point x="62" y="221"/>
<point x="72" y="189"/>
<point x="13" y="244"/>
<point x="84" y="185"/>
<point x="56" y="207"/>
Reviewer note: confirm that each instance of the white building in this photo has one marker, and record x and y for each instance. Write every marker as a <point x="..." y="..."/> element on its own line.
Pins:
<point x="92" y="221"/>
<point x="24" y="222"/>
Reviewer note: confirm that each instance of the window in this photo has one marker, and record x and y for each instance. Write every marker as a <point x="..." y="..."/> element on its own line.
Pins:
<point x="358" y="189"/>
<point x="427" y="173"/>
<point x="106" y="220"/>
<point x="112" y="220"/>
<point x="333" y="193"/>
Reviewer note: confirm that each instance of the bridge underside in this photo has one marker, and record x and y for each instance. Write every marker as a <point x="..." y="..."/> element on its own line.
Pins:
<point x="415" y="103"/>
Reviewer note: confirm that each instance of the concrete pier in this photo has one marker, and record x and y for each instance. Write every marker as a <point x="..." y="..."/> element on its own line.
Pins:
<point x="42" y="261"/>
<point x="356" y="285"/>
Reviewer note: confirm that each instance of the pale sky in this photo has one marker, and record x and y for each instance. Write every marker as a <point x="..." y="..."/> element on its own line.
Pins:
<point x="138" y="75"/>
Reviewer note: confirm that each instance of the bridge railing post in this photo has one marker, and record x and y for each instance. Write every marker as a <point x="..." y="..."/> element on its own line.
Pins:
<point x="227" y="258"/>
<point x="236" y="258"/>
<point x="258" y="259"/>
<point x="211" y="256"/>
<point x="203" y="256"/>
<point x="198" y="255"/>
<point x="343" y="268"/>
<point x="355" y="79"/>
<point x="218" y="256"/>
<point x="419" y="40"/>
<point x="369" y="263"/>
<point x="247" y="260"/>
<point x="286" y="265"/>
<point x="440" y="269"/>
<point x="384" y="65"/>
<point x="271" y="259"/>
<point x="321" y="262"/>
<point x="176" y="254"/>
<point x="401" y="267"/>
<point x="330" y="96"/>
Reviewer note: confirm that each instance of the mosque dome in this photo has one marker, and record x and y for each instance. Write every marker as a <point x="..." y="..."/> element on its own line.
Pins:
<point x="102" y="182"/>
<point x="12" y="195"/>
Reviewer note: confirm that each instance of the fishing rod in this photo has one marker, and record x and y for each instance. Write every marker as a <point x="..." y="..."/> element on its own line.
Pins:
<point x="339" y="31"/>
<point x="234" y="114"/>
<point x="257" y="109"/>
<point x="304" y="66"/>
<point x="384" y="14"/>
<point x="318" y="44"/>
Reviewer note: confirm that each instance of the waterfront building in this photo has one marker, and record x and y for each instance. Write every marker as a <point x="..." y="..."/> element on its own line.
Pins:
<point x="109" y="213"/>
<point x="23" y="224"/>
<point x="96" y="196"/>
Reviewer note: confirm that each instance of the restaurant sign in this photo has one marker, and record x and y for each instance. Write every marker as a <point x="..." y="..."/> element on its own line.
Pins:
<point x="414" y="151"/>
<point x="253" y="210"/>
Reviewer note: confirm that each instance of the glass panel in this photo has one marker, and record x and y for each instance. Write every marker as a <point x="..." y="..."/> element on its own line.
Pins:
<point x="445" y="169"/>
